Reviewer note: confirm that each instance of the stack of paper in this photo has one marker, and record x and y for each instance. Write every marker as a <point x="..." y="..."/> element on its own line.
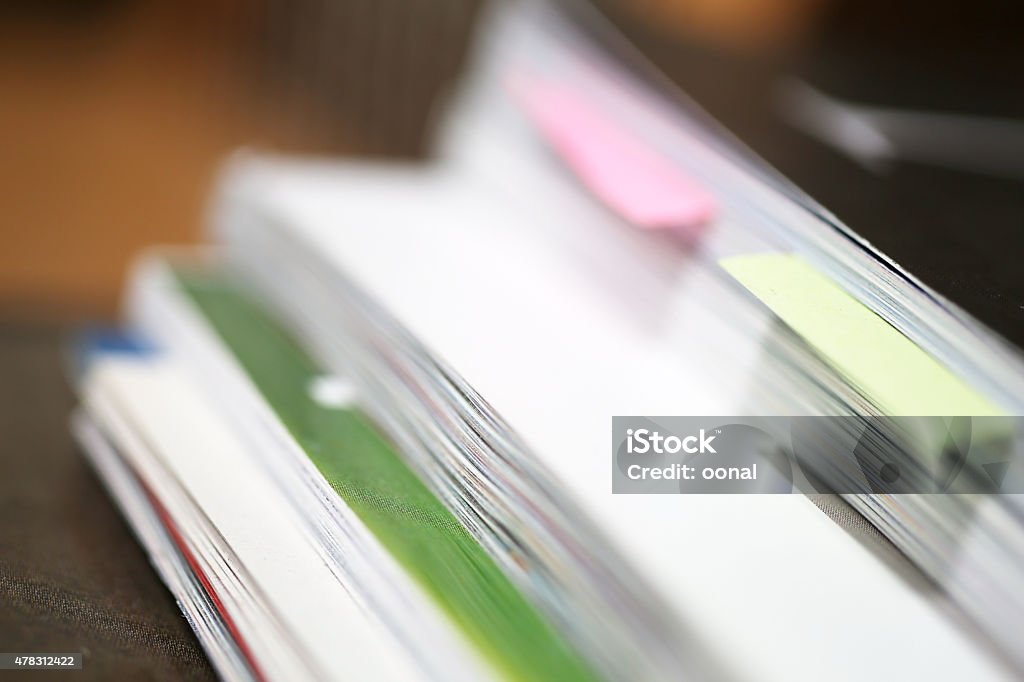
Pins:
<point x="367" y="433"/>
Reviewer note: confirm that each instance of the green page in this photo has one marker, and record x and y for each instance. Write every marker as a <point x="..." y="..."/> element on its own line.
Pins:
<point x="892" y="370"/>
<point x="407" y="518"/>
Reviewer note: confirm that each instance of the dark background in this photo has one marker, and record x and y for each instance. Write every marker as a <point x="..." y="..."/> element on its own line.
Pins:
<point x="114" y="115"/>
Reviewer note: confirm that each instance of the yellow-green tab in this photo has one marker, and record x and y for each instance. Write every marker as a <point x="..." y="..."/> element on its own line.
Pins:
<point x="890" y="369"/>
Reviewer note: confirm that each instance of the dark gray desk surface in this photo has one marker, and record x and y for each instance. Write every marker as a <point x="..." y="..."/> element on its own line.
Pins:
<point x="72" y="577"/>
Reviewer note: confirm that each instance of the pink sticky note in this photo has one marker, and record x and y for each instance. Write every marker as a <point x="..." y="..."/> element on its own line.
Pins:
<point x="630" y="178"/>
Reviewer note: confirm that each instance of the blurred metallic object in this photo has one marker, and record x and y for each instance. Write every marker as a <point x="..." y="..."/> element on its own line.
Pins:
<point x="876" y="137"/>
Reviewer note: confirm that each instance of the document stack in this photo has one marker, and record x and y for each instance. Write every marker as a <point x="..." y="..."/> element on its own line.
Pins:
<point x="367" y="432"/>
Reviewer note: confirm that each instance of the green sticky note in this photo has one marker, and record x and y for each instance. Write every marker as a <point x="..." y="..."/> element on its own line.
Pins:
<point x="890" y="369"/>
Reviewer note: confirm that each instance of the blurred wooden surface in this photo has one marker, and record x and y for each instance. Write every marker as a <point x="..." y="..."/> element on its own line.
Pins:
<point x="112" y="126"/>
<point x="109" y="135"/>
